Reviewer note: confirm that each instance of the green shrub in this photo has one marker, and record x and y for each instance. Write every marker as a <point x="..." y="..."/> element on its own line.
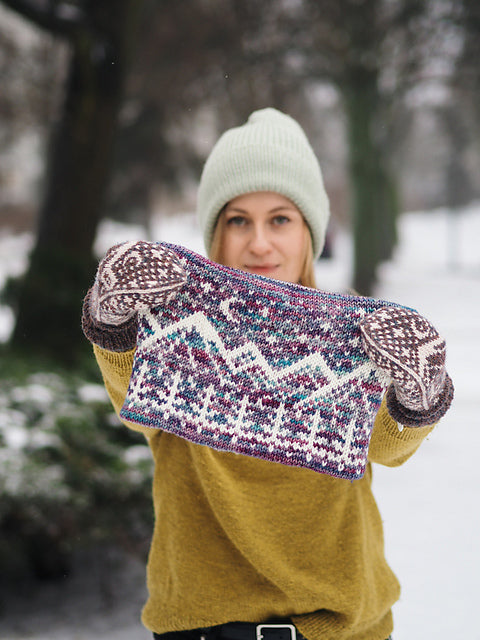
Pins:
<point x="70" y="473"/>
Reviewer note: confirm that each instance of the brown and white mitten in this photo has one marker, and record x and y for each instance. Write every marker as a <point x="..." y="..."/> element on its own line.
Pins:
<point x="132" y="276"/>
<point x="409" y="349"/>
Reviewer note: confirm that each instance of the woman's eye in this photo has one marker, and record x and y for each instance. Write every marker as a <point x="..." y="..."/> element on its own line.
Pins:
<point x="280" y="220"/>
<point x="236" y="221"/>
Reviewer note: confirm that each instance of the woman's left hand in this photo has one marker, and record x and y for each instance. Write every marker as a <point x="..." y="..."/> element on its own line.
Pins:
<point x="409" y="349"/>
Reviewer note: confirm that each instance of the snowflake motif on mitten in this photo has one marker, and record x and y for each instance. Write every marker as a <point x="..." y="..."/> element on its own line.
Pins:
<point x="409" y="349"/>
<point x="134" y="276"/>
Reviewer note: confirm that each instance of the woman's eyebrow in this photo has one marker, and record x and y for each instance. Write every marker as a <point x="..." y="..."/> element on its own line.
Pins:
<point x="283" y="207"/>
<point x="236" y="209"/>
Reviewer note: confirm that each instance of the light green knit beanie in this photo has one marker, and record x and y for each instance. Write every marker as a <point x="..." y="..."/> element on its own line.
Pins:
<point x="270" y="152"/>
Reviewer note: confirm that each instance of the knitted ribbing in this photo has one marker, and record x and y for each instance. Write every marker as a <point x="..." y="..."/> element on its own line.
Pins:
<point x="259" y="367"/>
<point x="118" y="338"/>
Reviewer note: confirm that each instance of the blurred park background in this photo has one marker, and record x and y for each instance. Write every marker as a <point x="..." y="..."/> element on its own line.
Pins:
<point x="108" y="109"/>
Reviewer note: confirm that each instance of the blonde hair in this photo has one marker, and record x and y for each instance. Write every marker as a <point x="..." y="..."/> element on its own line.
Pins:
<point x="307" y="276"/>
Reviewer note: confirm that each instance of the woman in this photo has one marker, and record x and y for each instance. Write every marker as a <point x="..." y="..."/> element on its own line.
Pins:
<point x="242" y="545"/>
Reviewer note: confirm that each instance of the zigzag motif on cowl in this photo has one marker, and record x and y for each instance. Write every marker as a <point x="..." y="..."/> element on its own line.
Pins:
<point x="251" y="365"/>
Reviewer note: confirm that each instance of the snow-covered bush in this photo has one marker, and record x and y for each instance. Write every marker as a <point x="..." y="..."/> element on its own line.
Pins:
<point x="70" y="473"/>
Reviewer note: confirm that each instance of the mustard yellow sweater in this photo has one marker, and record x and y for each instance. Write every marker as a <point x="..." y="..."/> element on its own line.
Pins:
<point x="242" y="539"/>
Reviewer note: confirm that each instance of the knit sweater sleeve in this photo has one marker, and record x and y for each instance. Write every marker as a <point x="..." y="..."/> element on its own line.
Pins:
<point x="392" y="445"/>
<point x="116" y="369"/>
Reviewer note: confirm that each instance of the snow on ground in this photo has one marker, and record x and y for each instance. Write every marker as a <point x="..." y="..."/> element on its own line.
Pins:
<point x="13" y="262"/>
<point x="429" y="505"/>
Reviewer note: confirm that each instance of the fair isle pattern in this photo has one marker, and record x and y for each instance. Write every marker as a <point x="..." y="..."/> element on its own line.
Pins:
<point x="246" y="364"/>
<point x="409" y="348"/>
<point x="134" y="275"/>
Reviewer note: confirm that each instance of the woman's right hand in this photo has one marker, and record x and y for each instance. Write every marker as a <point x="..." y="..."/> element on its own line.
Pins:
<point x="131" y="277"/>
<point x="134" y="276"/>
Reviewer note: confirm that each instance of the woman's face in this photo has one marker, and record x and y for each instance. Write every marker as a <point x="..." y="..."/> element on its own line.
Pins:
<point x="264" y="233"/>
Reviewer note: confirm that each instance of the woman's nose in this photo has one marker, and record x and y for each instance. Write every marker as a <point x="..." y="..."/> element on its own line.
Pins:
<point x="259" y="241"/>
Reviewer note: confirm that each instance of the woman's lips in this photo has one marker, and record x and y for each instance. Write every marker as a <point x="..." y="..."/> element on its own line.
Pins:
<point x="261" y="269"/>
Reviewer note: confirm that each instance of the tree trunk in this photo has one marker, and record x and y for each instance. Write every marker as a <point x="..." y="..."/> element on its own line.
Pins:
<point x="373" y="200"/>
<point x="61" y="264"/>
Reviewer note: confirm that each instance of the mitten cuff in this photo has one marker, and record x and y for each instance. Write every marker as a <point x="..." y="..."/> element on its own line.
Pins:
<point x="117" y="338"/>
<point x="412" y="418"/>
